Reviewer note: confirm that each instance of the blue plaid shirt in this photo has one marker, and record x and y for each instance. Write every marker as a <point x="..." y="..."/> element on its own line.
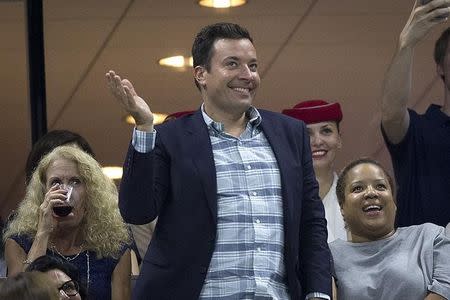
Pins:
<point x="248" y="260"/>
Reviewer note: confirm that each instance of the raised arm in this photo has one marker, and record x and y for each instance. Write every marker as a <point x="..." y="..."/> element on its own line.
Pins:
<point x="125" y="94"/>
<point x="397" y="82"/>
<point x="16" y="258"/>
<point x="136" y="202"/>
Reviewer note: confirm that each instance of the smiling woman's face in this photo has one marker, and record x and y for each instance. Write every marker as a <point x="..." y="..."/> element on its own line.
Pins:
<point x="369" y="208"/>
<point x="325" y="141"/>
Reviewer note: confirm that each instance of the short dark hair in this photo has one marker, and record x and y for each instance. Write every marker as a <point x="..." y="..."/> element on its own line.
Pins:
<point x="342" y="180"/>
<point x="28" y="286"/>
<point x="46" y="263"/>
<point x="202" y="48"/>
<point x="50" y="141"/>
<point x="440" y="47"/>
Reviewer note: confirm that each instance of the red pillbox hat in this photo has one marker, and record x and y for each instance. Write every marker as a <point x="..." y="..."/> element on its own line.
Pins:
<point x="315" y="111"/>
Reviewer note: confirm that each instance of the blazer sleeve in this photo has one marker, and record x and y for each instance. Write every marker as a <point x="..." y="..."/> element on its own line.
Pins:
<point x="144" y="184"/>
<point x="314" y="256"/>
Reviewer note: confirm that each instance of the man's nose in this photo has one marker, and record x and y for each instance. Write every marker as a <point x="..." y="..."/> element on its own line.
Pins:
<point x="246" y="73"/>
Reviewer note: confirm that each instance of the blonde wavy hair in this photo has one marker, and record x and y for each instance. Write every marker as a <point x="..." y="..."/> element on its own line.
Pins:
<point x="102" y="227"/>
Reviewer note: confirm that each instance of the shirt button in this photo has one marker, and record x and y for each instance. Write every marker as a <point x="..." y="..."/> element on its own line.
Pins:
<point x="249" y="167"/>
<point x="258" y="249"/>
<point x="254" y="193"/>
<point x="257" y="221"/>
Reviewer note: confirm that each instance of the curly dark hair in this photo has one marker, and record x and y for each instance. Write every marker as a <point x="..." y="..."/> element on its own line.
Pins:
<point x="46" y="263"/>
<point x="342" y="180"/>
<point x="50" y="141"/>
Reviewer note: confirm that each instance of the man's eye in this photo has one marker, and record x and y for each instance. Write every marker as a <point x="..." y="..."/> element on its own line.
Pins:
<point x="253" y="67"/>
<point x="69" y="286"/>
<point x="232" y="64"/>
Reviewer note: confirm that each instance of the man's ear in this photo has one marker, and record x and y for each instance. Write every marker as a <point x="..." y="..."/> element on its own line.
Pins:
<point x="440" y="71"/>
<point x="200" y="75"/>
<point x="342" y="212"/>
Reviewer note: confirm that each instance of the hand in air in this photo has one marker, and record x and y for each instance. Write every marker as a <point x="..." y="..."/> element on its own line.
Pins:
<point x="422" y="19"/>
<point x="124" y="92"/>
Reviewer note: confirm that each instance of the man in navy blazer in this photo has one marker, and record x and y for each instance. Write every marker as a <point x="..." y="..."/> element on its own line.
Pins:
<point x="233" y="188"/>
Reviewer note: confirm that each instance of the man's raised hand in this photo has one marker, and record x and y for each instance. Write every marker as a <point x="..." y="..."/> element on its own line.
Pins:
<point x="124" y="92"/>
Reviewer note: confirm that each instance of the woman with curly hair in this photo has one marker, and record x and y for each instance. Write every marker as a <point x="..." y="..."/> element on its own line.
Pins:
<point x="91" y="234"/>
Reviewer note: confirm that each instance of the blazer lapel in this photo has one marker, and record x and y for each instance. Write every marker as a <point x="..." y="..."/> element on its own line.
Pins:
<point x="280" y="146"/>
<point x="203" y="159"/>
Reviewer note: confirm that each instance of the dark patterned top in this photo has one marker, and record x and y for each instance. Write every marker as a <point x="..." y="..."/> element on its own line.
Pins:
<point x="99" y="271"/>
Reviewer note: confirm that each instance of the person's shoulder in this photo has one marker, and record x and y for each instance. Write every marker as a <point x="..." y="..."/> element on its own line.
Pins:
<point x="431" y="112"/>
<point x="425" y="229"/>
<point x="21" y="237"/>
<point x="279" y="117"/>
<point x="24" y="241"/>
<point x="179" y="122"/>
<point x="337" y="245"/>
<point x="430" y="227"/>
<point x="273" y="114"/>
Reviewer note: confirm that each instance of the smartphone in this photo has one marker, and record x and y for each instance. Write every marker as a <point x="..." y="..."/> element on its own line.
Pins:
<point x="423" y="2"/>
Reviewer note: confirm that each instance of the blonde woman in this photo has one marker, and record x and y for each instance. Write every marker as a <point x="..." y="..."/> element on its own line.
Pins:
<point x="90" y="234"/>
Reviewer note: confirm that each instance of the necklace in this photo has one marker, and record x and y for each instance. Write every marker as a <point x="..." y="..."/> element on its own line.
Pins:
<point x="67" y="258"/>
<point x="87" y="272"/>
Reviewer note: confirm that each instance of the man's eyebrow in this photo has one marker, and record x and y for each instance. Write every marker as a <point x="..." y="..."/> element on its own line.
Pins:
<point x="231" y="57"/>
<point x="237" y="58"/>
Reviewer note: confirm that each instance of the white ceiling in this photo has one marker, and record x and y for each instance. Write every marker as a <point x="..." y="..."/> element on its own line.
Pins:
<point x="334" y="50"/>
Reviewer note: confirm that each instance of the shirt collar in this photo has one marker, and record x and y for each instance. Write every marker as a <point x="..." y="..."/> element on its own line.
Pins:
<point x="252" y="114"/>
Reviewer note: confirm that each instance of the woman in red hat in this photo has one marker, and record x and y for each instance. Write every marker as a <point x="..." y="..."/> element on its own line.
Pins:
<point x="322" y="120"/>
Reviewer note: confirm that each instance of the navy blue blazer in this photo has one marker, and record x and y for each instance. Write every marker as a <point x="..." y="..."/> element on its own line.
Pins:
<point x="176" y="181"/>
